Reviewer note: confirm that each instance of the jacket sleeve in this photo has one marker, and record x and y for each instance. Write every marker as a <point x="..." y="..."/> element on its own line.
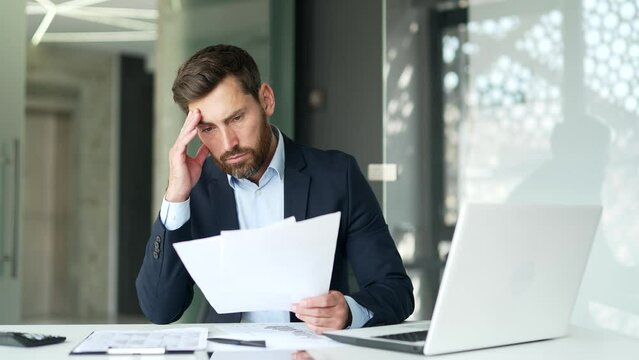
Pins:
<point x="164" y="287"/>
<point x="384" y="287"/>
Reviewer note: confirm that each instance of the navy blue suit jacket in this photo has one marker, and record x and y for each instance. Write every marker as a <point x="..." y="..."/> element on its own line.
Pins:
<point x="315" y="183"/>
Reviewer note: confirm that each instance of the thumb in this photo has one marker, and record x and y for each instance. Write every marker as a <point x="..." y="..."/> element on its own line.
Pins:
<point x="201" y="155"/>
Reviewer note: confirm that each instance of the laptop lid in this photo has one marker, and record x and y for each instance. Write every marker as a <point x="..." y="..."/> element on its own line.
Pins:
<point x="512" y="276"/>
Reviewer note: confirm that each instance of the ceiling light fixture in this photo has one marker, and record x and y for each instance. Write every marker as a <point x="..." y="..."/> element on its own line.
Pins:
<point x="130" y="20"/>
<point x="101" y="36"/>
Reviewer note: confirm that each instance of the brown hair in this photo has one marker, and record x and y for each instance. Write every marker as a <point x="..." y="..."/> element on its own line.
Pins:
<point x="200" y="74"/>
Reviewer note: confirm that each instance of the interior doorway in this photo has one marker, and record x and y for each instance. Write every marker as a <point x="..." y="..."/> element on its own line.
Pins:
<point x="48" y="218"/>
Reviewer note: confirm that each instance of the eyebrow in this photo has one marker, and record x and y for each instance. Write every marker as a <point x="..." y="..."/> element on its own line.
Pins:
<point x="226" y="119"/>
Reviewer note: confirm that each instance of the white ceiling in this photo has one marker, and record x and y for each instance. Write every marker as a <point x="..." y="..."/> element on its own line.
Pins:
<point x="117" y="26"/>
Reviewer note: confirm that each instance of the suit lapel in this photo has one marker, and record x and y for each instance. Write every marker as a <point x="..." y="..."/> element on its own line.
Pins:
<point x="224" y="213"/>
<point x="296" y="183"/>
<point x="224" y="208"/>
<point x="296" y="187"/>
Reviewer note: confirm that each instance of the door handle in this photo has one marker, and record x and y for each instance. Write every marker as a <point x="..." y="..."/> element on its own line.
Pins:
<point x="5" y="161"/>
<point x="10" y="161"/>
<point x="16" y="206"/>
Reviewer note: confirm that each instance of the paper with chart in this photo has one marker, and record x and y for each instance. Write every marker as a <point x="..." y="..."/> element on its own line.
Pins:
<point x="264" y="269"/>
<point x="172" y="340"/>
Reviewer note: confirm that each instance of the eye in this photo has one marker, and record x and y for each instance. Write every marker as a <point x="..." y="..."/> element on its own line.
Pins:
<point x="237" y="118"/>
<point x="207" y="129"/>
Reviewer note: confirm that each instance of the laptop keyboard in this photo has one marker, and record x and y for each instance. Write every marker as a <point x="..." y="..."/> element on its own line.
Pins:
<point x="408" y="337"/>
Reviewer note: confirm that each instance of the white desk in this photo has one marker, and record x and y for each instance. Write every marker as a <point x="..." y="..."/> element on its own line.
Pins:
<point x="581" y="344"/>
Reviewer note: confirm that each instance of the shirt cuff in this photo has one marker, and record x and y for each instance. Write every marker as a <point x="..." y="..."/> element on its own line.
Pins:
<point x="174" y="215"/>
<point x="360" y="314"/>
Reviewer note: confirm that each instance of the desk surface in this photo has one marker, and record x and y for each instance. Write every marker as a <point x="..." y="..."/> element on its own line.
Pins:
<point x="580" y="344"/>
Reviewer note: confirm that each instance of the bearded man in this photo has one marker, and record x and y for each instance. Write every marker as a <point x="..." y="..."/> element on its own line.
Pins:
<point x="247" y="174"/>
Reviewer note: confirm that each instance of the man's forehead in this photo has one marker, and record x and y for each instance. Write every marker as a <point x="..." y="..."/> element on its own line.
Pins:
<point x="206" y="120"/>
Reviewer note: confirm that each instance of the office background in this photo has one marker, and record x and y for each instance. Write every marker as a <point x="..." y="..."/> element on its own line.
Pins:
<point x="497" y="101"/>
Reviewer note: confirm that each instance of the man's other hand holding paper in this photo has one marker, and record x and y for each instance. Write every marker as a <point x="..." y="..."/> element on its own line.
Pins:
<point x="324" y="312"/>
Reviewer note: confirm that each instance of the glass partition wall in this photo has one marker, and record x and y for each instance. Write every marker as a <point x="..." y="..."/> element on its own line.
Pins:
<point x="410" y="143"/>
<point x="551" y="116"/>
<point x="515" y="101"/>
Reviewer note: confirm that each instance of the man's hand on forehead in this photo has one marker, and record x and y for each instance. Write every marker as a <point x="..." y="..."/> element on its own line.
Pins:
<point x="184" y="171"/>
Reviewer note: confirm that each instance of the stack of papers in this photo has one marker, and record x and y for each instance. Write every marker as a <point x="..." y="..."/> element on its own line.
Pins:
<point x="264" y="269"/>
<point x="169" y="340"/>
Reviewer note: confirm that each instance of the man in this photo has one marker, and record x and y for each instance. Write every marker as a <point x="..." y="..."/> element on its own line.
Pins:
<point x="256" y="176"/>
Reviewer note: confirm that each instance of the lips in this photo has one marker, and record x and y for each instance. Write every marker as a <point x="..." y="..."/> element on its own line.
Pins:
<point x="235" y="158"/>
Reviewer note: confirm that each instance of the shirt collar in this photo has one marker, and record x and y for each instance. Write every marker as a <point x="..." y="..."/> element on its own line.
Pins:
<point x="277" y="162"/>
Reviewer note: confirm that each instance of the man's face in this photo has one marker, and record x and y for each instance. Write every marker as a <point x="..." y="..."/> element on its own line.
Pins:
<point x="234" y="128"/>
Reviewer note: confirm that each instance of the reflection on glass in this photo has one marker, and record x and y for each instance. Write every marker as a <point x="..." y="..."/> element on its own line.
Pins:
<point x="455" y="62"/>
<point x="498" y="119"/>
<point x="550" y="114"/>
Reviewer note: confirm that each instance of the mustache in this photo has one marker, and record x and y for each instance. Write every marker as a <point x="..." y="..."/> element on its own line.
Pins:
<point x="233" y="152"/>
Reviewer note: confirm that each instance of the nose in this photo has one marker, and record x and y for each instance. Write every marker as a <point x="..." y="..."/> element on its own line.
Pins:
<point x="229" y="138"/>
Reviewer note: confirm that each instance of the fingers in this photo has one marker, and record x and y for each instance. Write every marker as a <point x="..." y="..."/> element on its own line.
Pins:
<point x="320" y="328"/>
<point x="326" y="300"/>
<point x="314" y="312"/>
<point x="332" y="318"/>
<point x="315" y="323"/>
<point x="324" y="312"/>
<point x="193" y="118"/>
<point x="189" y="129"/>
<point x="183" y="170"/>
<point x="177" y="153"/>
<point x="201" y="155"/>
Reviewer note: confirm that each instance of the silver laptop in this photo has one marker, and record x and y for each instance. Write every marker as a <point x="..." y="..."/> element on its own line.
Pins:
<point x="512" y="276"/>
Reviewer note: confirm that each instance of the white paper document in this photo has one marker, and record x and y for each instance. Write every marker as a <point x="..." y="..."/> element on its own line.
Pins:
<point x="264" y="269"/>
<point x="278" y="337"/>
<point x="171" y="340"/>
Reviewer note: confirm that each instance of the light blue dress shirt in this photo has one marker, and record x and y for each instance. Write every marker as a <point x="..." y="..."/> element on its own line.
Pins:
<point x="258" y="205"/>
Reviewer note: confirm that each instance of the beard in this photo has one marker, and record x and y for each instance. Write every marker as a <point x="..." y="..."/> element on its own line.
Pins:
<point x="255" y="158"/>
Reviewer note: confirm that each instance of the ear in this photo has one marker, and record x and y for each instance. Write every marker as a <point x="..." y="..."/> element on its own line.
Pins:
<point x="267" y="99"/>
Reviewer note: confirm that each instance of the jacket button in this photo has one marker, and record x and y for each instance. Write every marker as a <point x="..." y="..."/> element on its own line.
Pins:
<point x="156" y="247"/>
